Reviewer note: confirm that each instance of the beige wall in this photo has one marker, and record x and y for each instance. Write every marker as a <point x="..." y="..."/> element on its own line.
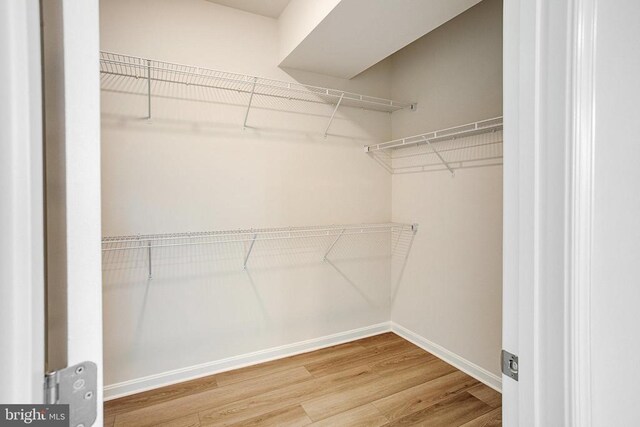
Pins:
<point x="451" y="292"/>
<point x="193" y="168"/>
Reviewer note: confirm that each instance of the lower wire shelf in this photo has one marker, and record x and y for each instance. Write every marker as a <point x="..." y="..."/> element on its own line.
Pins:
<point x="327" y="235"/>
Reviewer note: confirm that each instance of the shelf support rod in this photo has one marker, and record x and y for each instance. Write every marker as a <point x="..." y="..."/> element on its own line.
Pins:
<point x="149" y="258"/>
<point x="333" y="115"/>
<point x="244" y="267"/>
<point x="148" y="89"/>
<point x="404" y="265"/>
<point x="395" y="245"/>
<point x="444" y="162"/>
<point x="333" y="244"/>
<point x="246" y="114"/>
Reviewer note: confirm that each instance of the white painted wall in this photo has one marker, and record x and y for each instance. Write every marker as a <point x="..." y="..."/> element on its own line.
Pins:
<point x="193" y="168"/>
<point x="616" y="235"/>
<point x="451" y="293"/>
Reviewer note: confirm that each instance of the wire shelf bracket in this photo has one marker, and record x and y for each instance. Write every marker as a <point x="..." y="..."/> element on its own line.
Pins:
<point x="444" y="162"/>
<point x="326" y="131"/>
<point x="246" y="115"/>
<point x="414" y="228"/>
<point x="246" y="259"/>
<point x="148" y="89"/>
<point x="149" y="260"/>
<point x="326" y="254"/>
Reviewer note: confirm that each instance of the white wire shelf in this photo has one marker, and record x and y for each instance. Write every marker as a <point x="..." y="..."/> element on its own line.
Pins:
<point x="456" y="148"/>
<point x="126" y="66"/>
<point x="332" y="234"/>
<point x="475" y="128"/>
<point x="119" y="243"/>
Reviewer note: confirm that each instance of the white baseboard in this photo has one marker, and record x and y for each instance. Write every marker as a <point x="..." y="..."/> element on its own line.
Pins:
<point x="125" y="388"/>
<point x="481" y="374"/>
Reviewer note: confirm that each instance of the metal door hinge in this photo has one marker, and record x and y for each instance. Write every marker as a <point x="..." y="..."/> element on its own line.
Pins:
<point x="76" y="386"/>
<point x="510" y="364"/>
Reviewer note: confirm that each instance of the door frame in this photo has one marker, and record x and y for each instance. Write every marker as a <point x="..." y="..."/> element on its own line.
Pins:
<point x="22" y="319"/>
<point x="71" y="34"/>
<point x="548" y="176"/>
<point x="68" y="119"/>
<point x="549" y="87"/>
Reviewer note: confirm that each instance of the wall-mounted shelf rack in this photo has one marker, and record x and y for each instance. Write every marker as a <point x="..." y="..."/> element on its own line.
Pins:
<point x="126" y="66"/>
<point x="333" y="233"/>
<point x="450" y="156"/>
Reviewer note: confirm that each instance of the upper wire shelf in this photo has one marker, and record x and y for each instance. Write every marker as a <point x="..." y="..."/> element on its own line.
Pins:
<point x="115" y="64"/>
<point x="418" y="153"/>
<point x="475" y="128"/>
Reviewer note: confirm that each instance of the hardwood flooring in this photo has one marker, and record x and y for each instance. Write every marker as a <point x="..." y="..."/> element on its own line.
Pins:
<point x="378" y="381"/>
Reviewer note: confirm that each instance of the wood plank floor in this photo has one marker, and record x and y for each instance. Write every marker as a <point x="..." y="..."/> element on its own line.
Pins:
<point x="378" y="381"/>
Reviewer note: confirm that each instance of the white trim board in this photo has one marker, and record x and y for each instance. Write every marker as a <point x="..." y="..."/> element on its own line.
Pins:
<point x="125" y="388"/>
<point x="481" y="374"/>
<point x="581" y="141"/>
